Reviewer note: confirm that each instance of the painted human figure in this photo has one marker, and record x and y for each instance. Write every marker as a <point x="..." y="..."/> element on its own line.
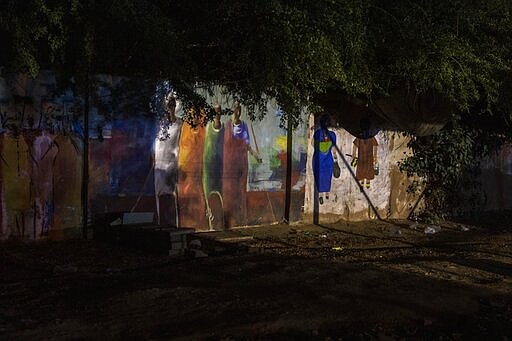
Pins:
<point x="237" y="145"/>
<point x="323" y="158"/>
<point x="364" y="155"/>
<point x="166" y="164"/>
<point x="45" y="152"/>
<point x="213" y="171"/>
<point x="190" y="184"/>
<point x="16" y="191"/>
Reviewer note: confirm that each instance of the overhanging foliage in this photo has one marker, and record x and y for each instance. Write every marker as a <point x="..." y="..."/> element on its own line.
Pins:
<point x="290" y="50"/>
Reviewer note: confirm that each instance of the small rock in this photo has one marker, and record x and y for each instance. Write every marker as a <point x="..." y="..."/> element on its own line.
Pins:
<point x="432" y="229"/>
<point x="195" y="244"/>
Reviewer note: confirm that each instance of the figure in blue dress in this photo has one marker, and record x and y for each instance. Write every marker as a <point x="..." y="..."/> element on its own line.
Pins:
<point x="323" y="159"/>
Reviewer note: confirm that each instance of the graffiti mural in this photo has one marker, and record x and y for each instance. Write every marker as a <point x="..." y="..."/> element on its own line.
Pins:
<point x="206" y="175"/>
<point x="357" y="162"/>
<point x="16" y="176"/>
<point x="39" y="153"/>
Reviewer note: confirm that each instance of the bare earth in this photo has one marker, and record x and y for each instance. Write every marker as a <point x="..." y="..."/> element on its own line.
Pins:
<point x="356" y="281"/>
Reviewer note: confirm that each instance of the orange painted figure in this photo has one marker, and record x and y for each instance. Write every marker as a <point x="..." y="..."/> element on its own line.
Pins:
<point x="364" y="155"/>
<point x="190" y="165"/>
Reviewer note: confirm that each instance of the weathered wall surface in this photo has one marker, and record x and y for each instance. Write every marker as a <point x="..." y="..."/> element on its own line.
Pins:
<point x="491" y="190"/>
<point x="496" y="180"/>
<point x="134" y="165"/>
<point x="40" y="149"/>
<point x="387" y="192"/>
<point x="209" y="178"/>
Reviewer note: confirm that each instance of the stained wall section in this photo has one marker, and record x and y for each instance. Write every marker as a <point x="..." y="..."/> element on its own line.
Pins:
<point x="215" y="185"/>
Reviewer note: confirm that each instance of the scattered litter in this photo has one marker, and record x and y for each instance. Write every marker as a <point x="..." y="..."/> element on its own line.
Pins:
<point x="338" y="248"/>
<point x="323" y="236"/>
<point x="464" y="228"/>
<point x="432" y="229"/>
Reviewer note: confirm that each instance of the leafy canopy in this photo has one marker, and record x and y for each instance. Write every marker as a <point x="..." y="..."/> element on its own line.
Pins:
<point x="288" y="49"/>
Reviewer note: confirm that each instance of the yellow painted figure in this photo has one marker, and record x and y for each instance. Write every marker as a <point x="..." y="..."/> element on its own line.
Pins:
<point x="16" y="170"/>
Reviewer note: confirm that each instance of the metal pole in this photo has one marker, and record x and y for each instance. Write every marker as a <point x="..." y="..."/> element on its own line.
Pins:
<point x="85" y="163"/>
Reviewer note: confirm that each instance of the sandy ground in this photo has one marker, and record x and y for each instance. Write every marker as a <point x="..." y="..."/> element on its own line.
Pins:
<point x="350" y="281"/>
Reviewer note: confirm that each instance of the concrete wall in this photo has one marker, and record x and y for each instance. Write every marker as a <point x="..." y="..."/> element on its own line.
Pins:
<point x="496" y="180"/>
<point x="41" y="149"/>
<point x="491" y="190"/>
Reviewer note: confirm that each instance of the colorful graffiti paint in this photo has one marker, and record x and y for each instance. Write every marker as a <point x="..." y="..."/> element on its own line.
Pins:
<point x="16" y="174"/>
<point x="323" y="160"/>
<point x="68" y="179"/>
<point x="226" y="173"/>
<point x="192" y="208"/>
<point x="213" y="172"/>
<point x="166" y="172"/>
<point x="45" y="155"/>
<point x="365" y="159"/>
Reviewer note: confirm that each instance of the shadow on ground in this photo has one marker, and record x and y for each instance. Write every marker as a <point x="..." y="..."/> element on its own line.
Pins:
<point x="362" y="281"/>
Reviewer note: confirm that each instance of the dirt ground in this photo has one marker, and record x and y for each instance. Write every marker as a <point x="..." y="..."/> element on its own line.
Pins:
<point x="352" y="281"/>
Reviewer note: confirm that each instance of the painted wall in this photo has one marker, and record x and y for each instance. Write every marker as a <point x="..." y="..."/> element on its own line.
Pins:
<point x="496" y="180"/>
<point x="204" y="177"/>
<point x="137" y="163"/>
<point x="387" y="191"/>
<point x="40" y="153"/>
